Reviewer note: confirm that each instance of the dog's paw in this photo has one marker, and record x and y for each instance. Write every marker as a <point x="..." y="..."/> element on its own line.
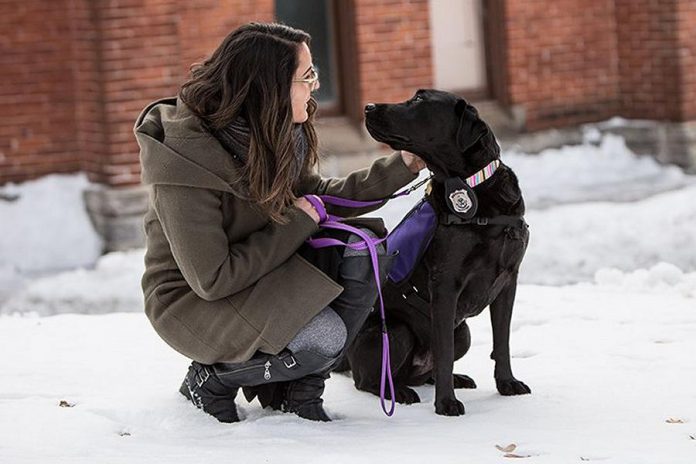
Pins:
<point x="510" y="387"/>
<point x="458" y="380"/>
<point x="463" y="381"/>
<point x="405" y="395"/>
<point x="449" y="407"/>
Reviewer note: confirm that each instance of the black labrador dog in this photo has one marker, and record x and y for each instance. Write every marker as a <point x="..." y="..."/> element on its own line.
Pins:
<point x="471" y="263"/>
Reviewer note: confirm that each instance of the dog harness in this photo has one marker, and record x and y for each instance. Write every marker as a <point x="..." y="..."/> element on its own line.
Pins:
<point x="409" y="240"/>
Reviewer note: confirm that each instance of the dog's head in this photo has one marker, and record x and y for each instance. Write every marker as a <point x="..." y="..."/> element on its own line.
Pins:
<point x="440" y="127"/>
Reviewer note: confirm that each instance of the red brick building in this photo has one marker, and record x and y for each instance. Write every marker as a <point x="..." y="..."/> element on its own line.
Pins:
<point x="77" y="72"/>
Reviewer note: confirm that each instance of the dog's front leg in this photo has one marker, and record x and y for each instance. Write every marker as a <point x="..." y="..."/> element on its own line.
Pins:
<point x="501" y="315"/>
<point x="443" y="311"/>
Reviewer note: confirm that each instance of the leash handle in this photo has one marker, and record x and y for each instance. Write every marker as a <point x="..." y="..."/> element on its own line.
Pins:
<point x="319" y="206"/>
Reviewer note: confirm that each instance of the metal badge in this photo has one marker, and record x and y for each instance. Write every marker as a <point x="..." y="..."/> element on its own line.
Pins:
<point x="460" y="198"/>
<point x="461" y="202"/>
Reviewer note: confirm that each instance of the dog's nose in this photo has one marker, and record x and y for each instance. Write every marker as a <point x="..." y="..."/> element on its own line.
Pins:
<point x="369" y="107"/>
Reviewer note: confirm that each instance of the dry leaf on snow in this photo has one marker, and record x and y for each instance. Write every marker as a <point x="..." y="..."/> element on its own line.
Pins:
<point x="507" y="449"/>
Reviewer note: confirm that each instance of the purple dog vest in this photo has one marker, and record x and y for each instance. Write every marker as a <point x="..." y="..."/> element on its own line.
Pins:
<point x="411" y="237"/>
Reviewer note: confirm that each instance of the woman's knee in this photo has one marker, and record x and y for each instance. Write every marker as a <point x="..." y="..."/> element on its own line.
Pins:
<point x="325" y="333"/>
<point x="357" y="238"/>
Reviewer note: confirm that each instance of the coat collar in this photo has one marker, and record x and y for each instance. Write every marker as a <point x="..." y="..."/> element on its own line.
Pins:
<point x="176" y="149"/>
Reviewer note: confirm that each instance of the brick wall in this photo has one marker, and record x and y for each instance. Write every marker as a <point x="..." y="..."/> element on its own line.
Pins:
<point x="77" y="72"/>
<point x="649" y="59"/>
<point x="686" y="40"/>
<point x="570" y="62"/>
<point x="36" y="96"/>
<point x="562" y="60"/>
<point x="393" y="47"/>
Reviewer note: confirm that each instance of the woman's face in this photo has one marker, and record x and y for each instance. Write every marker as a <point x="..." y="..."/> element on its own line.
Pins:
<point x="300" y="91"/>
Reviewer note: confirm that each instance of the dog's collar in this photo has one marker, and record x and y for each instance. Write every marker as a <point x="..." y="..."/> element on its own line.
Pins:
<point x="483" y="175"/>
<point x="477" y="178"/>
<point x="459" y="194"/>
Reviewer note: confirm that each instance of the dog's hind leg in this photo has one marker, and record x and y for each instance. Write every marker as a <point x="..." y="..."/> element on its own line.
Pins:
<point x="462" y="343"/>
<point x="366" y="360"/>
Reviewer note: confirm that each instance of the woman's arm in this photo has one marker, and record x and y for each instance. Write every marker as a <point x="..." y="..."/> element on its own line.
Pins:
<point x="214" y="268"/>
<point x="384" y="177"/>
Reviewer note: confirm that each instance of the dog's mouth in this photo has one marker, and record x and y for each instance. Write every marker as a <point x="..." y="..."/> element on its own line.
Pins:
<point x="381" y="136"/>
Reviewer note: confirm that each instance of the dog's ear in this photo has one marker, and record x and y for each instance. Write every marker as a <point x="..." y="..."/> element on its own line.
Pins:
<point x="510" y="190"/>
<point x="465" y="136"/>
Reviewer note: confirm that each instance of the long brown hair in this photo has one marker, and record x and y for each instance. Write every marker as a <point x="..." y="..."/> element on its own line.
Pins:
<point x="250" y="75"/>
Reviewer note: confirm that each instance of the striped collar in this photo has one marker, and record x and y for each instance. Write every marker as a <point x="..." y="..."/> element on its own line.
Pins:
<point x="482" y="175"/>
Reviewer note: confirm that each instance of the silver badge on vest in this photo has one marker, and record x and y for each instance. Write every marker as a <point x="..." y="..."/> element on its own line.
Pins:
<point x="461" y="198"/>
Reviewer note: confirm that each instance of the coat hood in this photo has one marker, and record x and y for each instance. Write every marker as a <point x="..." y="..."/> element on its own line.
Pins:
<point x="176" y="149"/>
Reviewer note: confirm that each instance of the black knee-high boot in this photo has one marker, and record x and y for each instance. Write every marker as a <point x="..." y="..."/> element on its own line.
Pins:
<point x="359" y="297"/>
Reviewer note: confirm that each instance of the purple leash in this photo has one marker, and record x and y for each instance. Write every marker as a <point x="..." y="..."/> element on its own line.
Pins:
<point x="330" y="221"/>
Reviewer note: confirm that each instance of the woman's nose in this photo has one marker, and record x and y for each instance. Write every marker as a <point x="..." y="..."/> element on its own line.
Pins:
<point x="369" y="107"/>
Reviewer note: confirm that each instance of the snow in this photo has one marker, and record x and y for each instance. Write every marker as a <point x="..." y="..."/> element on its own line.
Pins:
<point x="607" y="368"/>
<point x="569" y="243"/>
<point x="602" y="333"/>
<point x="112" y="286"/>
<point x="45" y="228"/>
<point x="607" y="171"/>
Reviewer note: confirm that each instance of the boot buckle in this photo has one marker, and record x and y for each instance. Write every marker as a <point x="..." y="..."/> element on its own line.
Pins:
<point x="200" y="379"/>
<point x="290" y="365"/>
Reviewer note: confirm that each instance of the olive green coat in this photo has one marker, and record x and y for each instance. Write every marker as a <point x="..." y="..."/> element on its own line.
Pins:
<point x="221" y="281"/>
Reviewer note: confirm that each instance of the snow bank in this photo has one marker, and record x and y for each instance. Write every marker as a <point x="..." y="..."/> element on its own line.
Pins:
<point x="570" y="243"/>
<point x="662" y="277"/>
<point x="112" y="286"/>
<point x="47" y="227"/>
<point x="608" y="170"/>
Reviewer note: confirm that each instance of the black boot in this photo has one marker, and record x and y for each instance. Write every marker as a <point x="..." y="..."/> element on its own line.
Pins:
<point x="205" y="390"/>
<point x="303" y="397"/>
<point x="359" y="298"/>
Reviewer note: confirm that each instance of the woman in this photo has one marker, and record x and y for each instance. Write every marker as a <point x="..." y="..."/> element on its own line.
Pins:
<point x="228" y="282"/>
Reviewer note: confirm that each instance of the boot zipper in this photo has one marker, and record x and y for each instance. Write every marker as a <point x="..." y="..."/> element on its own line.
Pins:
<point x="267" y="373"/>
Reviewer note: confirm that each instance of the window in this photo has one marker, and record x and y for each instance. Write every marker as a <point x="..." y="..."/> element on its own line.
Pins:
<point x="317" y="18"/>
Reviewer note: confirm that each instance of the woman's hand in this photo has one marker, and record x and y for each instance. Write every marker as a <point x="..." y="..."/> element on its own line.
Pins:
<point x="414" y="163"/>
<point x="308" y="208"/>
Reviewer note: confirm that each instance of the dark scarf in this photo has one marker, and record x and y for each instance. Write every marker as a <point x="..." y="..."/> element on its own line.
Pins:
<point x="235" y="139"/>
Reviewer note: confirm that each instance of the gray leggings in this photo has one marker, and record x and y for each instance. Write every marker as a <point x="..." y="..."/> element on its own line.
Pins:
<point x="326" y="332"/>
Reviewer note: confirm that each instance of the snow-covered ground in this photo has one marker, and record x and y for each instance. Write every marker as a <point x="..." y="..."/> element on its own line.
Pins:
<point x="603" y="333"/>
<point x="608" y="367"/>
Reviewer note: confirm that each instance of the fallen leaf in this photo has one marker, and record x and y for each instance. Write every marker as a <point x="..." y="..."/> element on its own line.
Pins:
<point x="124" y="434"/>
<point x="584" y="458"/>
<point x="672" y="420"/>
<point x="512" y="455"/>
<point x="508" y="449"/>
<point x="693" y="437"/>
<point x="65" y="404"/>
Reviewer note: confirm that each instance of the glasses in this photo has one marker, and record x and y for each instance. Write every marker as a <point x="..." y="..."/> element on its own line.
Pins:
<point x="312" y="80"/>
